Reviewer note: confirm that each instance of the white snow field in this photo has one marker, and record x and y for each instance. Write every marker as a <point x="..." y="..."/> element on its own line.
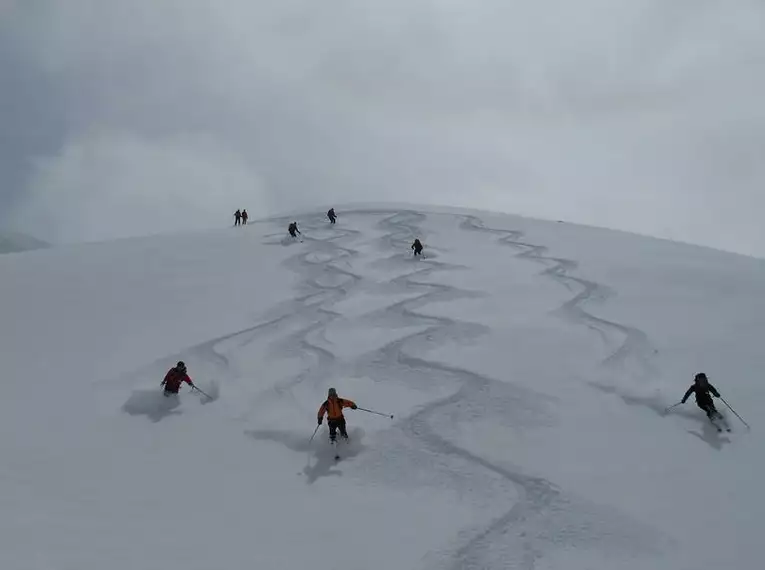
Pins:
<point x="527" y="365"/>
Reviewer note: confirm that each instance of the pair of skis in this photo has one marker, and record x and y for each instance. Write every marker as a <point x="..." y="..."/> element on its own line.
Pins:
<point x="720" y="423"/>
<point x="334" y="444"/>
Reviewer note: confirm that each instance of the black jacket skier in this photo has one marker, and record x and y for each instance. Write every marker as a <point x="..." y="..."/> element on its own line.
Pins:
<point x="702" y="388"/>
<point x="293" y="228"/>
<point x="331" y="215"/>
<point x="417" y="247"/>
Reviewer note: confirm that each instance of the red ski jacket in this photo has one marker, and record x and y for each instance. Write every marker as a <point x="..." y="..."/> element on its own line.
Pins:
<point x="174" y="379"/>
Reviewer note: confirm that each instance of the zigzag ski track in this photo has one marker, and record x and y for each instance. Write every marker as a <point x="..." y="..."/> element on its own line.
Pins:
<point x="540" y="516"/>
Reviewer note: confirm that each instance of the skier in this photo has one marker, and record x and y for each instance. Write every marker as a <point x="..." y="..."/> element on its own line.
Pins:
<point x="237" y="217"/>
<point x="331" y="215"/>
<point x="244" y="217"/>
<point x="333" y="407"/>
<point x="175" y="377"/>
<point x="293" y="228"/>
<point x="417" y="247"/>
<point x="701" y="387"/>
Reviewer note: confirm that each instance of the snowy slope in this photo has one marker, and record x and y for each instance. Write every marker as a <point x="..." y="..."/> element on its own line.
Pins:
<point x="527" y="365"/>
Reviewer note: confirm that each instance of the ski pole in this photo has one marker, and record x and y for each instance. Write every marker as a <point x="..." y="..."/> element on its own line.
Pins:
<point x="672" y="406"/>
<point x="373" y="412"/>
<point x="314" y="434"/>
<point x="734" y="411"/>
<point x="200" y="391"/>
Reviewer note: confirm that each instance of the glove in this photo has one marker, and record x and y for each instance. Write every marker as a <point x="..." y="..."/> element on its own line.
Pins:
<point x="354" y="406"/>
<point x="320" y="420"/>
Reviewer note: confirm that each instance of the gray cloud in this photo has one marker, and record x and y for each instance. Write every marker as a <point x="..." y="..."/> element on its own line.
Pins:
<point x="144" y="116"/>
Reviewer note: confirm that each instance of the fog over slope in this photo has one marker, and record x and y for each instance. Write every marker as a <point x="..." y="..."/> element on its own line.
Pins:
<point x="132" y="118"/>
<point x="11" y="242"/>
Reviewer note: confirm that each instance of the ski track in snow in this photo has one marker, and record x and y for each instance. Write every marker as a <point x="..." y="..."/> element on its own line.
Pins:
<point x="542" y="516"/>
<point x="635" y="343"/>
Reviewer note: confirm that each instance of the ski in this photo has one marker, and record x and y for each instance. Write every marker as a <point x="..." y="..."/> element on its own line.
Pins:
<point x="719" y="427"/>
<point x="724" y="421"/>
<point x="335" y="444"/>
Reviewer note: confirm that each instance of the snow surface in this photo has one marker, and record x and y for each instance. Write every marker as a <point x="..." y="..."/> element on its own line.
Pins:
<point x="527" y="365"/>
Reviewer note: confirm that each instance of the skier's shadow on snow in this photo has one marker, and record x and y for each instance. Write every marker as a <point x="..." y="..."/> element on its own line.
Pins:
<point x="321" y="459"/>
<point x="710" y="435"/>
<point x="151" y="403"/>
<point x="708" y="432"/>
<point x="285" y="241"/>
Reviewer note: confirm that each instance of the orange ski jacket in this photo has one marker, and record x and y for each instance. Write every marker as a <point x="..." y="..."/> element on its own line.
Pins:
<point x="333" y="407"/>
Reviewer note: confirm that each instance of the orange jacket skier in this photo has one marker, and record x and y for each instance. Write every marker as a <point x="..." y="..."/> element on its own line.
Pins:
<point x="333" y="407"/>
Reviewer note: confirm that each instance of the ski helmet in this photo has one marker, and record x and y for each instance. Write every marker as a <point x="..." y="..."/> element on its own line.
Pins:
<point x="181" y="365"/>
<point x="701" y="377"/>
<point x="332" y="393"/>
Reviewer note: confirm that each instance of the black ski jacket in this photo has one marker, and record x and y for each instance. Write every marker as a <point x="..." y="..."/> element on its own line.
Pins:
<point x="702" y="393"/>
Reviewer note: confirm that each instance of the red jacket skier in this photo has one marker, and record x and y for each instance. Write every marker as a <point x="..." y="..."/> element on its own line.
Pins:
<point x="175" y="377"/>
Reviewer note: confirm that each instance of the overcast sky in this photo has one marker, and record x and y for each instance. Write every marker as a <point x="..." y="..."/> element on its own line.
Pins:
<point x="126" y="117"/>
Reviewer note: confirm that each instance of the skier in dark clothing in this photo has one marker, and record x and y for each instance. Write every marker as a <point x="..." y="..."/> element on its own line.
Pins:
<point x="331" y="215"/>
<point x="702" y="388"/>
<point x="417" y="247"/>
<point x="333" y="407"/>
<point x="244" y="217"/>
<point x="293" y="229"/>
<point x="175" y="377"/>
<point x="237" y="217"/>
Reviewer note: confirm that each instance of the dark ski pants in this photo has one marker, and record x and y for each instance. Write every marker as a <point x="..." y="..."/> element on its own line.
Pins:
<point x="332" y="220"/>
<point x="709" y="409"/>
<point x="334" y="425"/>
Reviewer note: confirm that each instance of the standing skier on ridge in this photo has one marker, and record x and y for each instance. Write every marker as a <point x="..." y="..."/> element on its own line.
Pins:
<point x="333" y="407"/>
<point x="702" y="388"/>
<point x="175" y="377"/>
